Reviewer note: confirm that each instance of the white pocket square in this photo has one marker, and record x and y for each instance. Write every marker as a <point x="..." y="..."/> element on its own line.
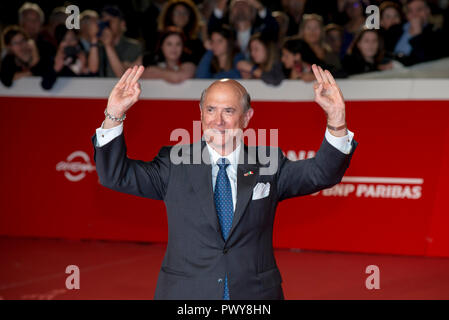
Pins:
<point x="261" y="190"/>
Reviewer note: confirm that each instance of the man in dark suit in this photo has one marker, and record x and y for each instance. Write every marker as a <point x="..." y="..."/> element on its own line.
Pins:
<point x="246" y="17"/>
<point x="416" y="40"/>
<point x="221" y="209"/>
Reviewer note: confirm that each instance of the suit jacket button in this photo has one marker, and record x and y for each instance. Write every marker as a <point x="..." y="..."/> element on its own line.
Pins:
<point x="225" y="251"/>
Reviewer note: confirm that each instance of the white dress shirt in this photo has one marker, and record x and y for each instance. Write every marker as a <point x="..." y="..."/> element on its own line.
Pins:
<point x="231" y="170"/>
<point x="341" y="143"/>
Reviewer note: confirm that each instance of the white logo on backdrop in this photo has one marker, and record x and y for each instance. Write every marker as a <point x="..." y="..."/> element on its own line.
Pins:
<point x="75" y="170"/>
<point x="367" y="187"/>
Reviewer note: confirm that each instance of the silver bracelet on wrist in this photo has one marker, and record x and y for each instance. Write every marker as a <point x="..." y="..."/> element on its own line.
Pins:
<point x="109" y="116"/>
<point x="337" y="128"/>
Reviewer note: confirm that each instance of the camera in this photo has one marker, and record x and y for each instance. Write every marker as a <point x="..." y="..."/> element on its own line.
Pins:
<point x="101" y="26"/>
<point x="72" y="51"/>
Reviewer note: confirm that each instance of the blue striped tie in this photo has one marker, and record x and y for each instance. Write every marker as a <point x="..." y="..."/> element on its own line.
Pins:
<point x="224" y="207"/>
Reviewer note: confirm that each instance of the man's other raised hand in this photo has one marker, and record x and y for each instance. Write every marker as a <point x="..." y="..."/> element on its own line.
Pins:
<point x="125" y="93"/>
<point x="328" y="95"/>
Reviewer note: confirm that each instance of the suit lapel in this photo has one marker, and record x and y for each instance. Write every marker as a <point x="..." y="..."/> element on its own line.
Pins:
<point x="245" y="185"/>
<point x="200" y="176"/>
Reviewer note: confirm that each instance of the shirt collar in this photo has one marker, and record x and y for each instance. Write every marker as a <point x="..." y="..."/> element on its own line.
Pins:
<point x="233" y="157"/>
<point x="406" y="26"/>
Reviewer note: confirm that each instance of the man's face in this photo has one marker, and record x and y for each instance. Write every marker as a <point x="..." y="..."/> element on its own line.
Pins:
<point x="390" y="17"/>
<point x="115" y="23"/>
<point x="418" y="10"/>
<point x="353" y="9"/>
<point x="240" y="11"/>
<point x="294" y="7"/>
<point x="222" y="116"/>
<point x="31" y="23"/>
<point x="89" y="26"/>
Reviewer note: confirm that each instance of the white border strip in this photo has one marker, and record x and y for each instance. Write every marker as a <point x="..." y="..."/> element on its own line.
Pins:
<point x="289" y="90"/>
<point x="383" y="180"/>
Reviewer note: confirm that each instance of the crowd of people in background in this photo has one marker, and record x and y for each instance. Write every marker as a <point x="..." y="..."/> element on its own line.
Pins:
<point x="238" y="39"/>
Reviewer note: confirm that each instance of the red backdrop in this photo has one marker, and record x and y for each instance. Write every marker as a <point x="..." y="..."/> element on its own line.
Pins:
<point x="392" y="199"/>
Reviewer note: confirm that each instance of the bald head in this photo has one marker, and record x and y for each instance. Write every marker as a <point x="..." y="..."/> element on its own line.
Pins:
<point x="225" y="113"/>
<point x="229" y="84"/>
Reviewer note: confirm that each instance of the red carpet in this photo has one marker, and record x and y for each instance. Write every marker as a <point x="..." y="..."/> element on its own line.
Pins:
<point x="35" y="269"/>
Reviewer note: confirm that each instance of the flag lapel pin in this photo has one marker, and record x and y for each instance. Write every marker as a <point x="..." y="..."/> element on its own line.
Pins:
<point x="248" y="173"/>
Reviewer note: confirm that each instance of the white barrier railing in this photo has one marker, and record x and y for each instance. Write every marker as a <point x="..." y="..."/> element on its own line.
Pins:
<point x="289" y="90"/>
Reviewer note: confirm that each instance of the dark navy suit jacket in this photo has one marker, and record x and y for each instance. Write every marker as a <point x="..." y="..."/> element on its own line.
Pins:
<point x="197" y="257"/>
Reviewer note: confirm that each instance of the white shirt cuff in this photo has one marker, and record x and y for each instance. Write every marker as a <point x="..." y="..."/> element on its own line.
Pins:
<point x="344" y="144"/>
<point x="263" y="13"/>
<point x="218" y="13"/>
<point x="106" y="135"/>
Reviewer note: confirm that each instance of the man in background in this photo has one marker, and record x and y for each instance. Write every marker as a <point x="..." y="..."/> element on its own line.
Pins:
<point x="416" y="40"/>
<point x="118" y="52"/>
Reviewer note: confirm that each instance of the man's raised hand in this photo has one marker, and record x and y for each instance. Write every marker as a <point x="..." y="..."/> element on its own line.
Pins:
<point x="328" y="95"/>
<point x="126" y="92"/>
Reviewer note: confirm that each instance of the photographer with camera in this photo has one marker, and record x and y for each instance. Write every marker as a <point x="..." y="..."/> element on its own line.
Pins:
<point x="70" y="60"/>
<point x="88" y="35"/>
<point x="117" y="52"/>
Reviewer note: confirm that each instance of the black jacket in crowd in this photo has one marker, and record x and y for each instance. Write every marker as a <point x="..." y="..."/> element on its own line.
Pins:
<point x="425" y="46"/>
